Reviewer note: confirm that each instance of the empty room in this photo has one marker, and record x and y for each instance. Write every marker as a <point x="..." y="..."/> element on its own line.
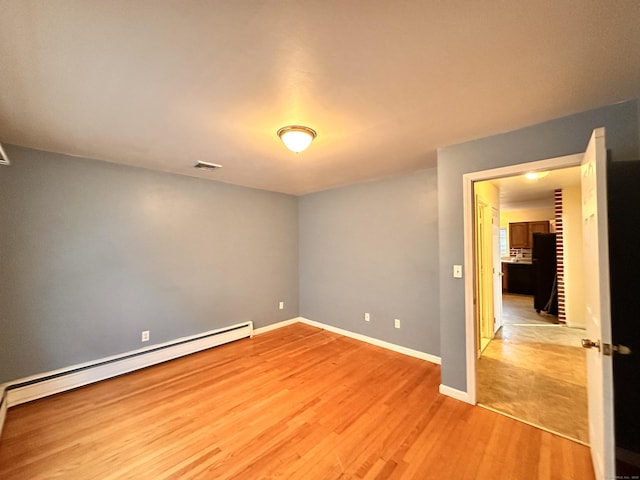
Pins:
<point x="242" y="239"/>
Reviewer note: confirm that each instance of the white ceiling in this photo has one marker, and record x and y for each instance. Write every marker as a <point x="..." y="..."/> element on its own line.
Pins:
<point x="518" y="192"/>
<point x="162" y="84"/>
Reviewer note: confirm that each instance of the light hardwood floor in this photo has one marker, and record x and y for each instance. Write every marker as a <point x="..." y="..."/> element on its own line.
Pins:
<point x="294" y="403"/>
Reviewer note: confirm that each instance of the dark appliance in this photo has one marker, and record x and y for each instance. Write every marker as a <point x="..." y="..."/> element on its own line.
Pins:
<point x="543" y="260"/>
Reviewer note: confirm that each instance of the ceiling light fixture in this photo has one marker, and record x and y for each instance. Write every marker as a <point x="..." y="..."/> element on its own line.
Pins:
<point x="296" y="137"/>
<point x="535" y="175"/>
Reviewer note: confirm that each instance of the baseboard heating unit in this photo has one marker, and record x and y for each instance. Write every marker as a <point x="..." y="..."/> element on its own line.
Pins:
<point x="3" y="406"/>
<point x="39" y="386"/>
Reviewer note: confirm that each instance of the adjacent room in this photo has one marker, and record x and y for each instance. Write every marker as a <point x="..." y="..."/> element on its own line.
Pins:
<point x="240" y="239"/>
<point x="531" y="363"/>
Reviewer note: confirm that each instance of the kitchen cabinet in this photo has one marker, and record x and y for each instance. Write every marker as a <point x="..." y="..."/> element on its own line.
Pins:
<point x="521" y="233"/>
<point x="537" y="227"/>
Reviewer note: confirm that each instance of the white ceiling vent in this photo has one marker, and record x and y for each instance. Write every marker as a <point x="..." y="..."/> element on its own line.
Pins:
<point x="4" y="160"/>
<point x="207" y="165"/>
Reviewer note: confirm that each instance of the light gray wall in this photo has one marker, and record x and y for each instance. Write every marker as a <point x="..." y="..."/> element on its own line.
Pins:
<point x="92" y="253"/>
<point x="373" y="247"/>
<point x="564" y="136"/>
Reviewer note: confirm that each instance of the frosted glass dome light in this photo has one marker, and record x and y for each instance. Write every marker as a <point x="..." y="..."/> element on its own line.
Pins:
<point x="296" y="137"/>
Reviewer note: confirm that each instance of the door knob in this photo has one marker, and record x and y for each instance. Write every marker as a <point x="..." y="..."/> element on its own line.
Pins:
<point x="586" y="343"/>
<point x="607" y="348"/>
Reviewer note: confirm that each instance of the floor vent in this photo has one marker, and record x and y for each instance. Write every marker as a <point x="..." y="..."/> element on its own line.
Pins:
<point x="207" y="165"/>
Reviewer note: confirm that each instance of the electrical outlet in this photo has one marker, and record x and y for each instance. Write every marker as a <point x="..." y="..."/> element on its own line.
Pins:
<point x="396" y="323"/>
<point x="145" y="336"/>
<point x="367" y="317"/>
<point x="457" y="271"/>
<point x="281" y="306"/>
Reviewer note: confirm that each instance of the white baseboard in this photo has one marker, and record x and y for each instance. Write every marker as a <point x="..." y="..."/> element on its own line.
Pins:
<point x="39" y="386"/>
<point x="275" y="326"/>
<point x="357" y="336"/>
<point x="576" y="325"/>
<point x="454" y="393"/>
<point x="374" y="341"/>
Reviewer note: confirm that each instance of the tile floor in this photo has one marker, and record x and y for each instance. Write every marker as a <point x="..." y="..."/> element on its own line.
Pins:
<point x="536" y="372"/>
<point x="518" y="310"/>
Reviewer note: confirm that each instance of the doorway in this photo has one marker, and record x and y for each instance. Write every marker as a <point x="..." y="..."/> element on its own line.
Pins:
<point x="597" y="300"/>
<point x="530" y="368"/>
<point x="535" y="374"/>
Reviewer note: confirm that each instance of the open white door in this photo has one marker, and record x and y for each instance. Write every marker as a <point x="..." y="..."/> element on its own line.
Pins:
<point x="597" y="304"/>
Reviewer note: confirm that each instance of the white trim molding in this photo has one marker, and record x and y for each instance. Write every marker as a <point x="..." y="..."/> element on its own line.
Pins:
<point x="275" y="326"/>
<point x="455" y="393"/>
<point x="374" y="341"/>
<point x="357" y="336"/>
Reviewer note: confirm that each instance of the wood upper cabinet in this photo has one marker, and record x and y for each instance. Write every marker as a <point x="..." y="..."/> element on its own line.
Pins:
<point x="521" y="233"/>
<point x="537" y="227"/>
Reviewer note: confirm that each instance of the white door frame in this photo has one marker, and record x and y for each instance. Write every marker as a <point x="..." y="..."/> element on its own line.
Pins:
<point x="469" y="255"/>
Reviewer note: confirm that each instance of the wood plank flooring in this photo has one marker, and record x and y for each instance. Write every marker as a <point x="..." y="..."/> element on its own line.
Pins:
<point x="294" y="403"/>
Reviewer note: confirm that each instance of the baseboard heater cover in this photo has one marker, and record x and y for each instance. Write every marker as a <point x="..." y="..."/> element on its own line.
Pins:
<point x="39" y="386"/>
<point x="3" y="406"/>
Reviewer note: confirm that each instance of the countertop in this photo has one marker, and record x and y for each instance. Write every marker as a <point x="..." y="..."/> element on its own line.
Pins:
<point x="523" y="261"/>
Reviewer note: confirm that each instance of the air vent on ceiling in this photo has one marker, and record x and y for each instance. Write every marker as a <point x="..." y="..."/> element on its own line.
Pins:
<point x="207" y="165"/>
<point x="4" y="160"/>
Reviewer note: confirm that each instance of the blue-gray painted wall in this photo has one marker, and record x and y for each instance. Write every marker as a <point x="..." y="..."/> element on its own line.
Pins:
<point x="564" y="136"/>
<point x="373" y="247"/>
<point x="92" y="253"/>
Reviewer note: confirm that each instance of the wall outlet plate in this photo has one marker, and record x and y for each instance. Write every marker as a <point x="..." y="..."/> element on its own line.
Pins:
<point x="367" y="317"/>
<point x="281" y="306"/>
<point x="145" y="336"/>
<point x="457" y="271"/>
<point x="396" y="323"/>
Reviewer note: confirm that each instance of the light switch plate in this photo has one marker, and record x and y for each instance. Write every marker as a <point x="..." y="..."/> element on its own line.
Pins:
<point x="457" y="271"/>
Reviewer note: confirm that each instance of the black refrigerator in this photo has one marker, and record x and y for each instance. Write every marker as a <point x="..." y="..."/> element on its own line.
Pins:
<point x="544" y="265"/>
